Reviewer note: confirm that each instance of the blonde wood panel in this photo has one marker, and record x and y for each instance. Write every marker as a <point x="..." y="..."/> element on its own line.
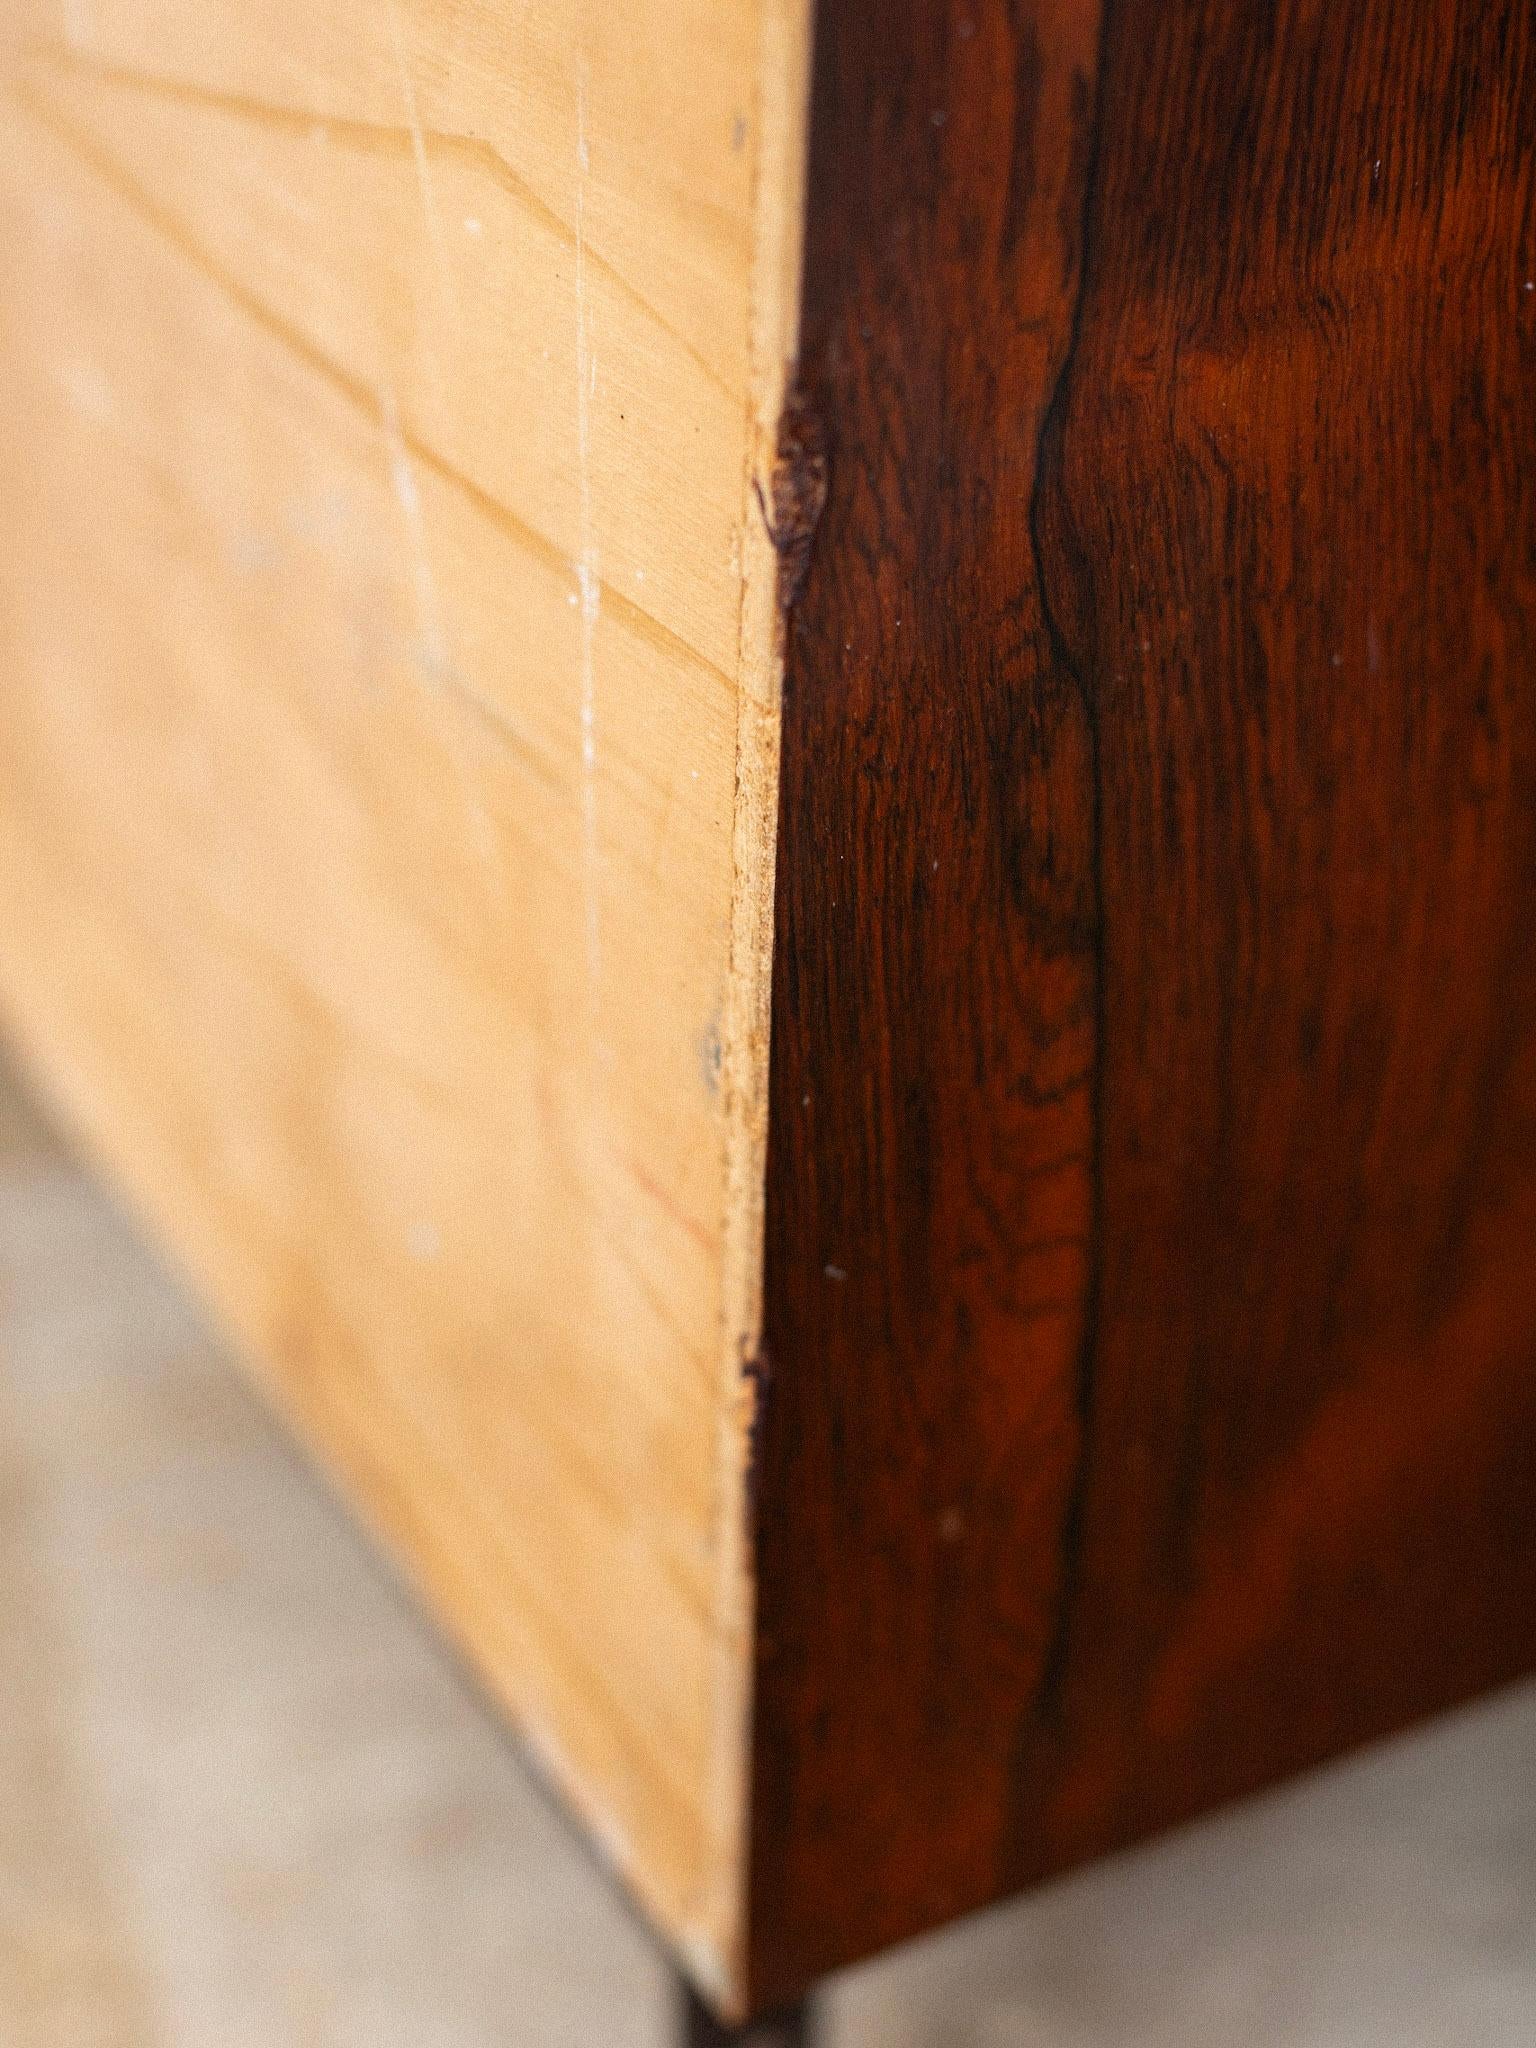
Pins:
<point x="387" y="744"/>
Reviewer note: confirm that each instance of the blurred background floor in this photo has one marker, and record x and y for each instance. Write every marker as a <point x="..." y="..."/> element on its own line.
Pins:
<point x="246" y="1801"/>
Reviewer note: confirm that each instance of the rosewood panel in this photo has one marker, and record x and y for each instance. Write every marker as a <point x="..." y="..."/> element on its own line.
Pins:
<point x="1150" y="1353"/>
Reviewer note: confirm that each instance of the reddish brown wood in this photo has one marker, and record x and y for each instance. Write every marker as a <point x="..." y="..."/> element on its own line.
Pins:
<point x="1151" y="1306"/>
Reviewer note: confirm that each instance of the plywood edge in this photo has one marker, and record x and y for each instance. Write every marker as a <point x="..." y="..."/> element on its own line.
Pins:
<point x="716" y="1951"/>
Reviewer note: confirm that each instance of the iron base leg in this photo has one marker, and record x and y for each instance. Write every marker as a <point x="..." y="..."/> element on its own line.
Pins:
<point x="698" y="2027"/>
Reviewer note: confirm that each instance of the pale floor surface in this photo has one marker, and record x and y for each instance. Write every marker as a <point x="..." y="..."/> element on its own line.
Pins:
<point x="247" y="1802"/>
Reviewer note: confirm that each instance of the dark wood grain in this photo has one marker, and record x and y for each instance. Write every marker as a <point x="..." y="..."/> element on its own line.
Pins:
<point x="1150" y="1349"/>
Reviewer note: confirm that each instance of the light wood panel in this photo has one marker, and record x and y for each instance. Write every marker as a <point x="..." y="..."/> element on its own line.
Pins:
<point x="387" y="751"/>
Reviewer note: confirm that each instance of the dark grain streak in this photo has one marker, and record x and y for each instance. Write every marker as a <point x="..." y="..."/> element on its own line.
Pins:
<point x="1048" y="475"/>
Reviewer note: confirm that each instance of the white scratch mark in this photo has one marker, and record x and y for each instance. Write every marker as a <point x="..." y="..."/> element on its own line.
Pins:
<point x="588" y="578"/>
<point x="434" y="660"/>
<point x="403" y="476"/>
<point x="77" y="25"/>
<point x="419" y="153"/>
